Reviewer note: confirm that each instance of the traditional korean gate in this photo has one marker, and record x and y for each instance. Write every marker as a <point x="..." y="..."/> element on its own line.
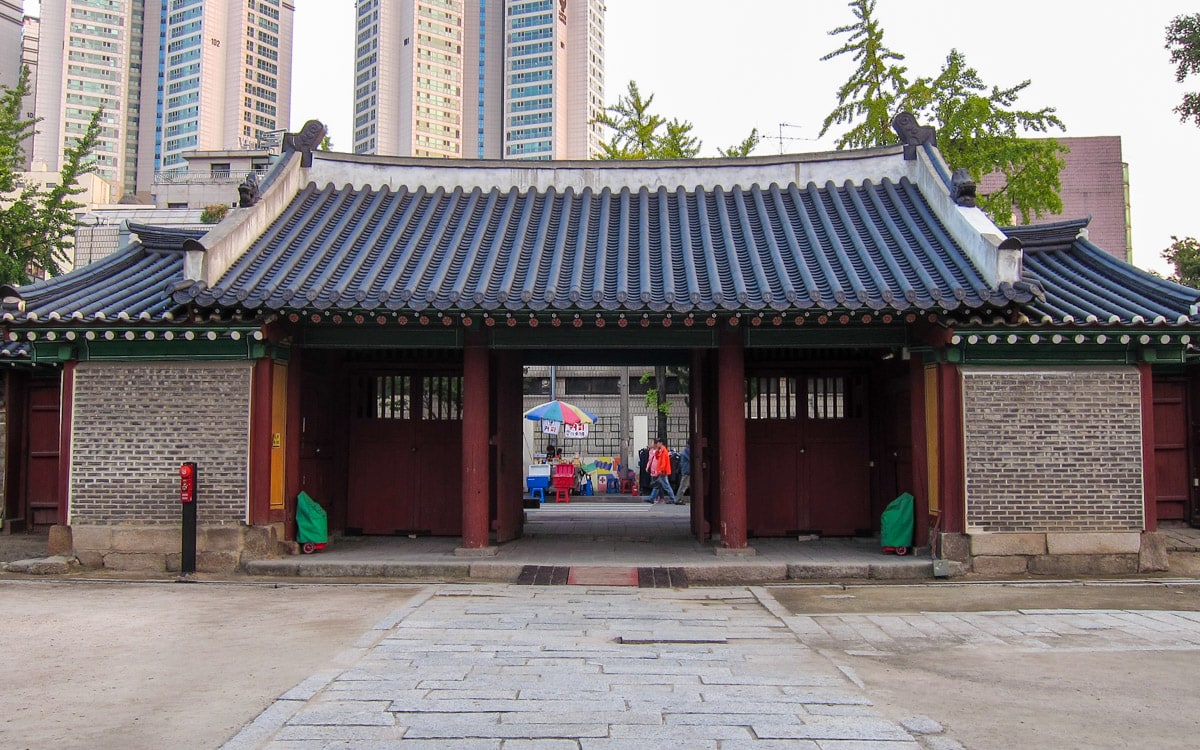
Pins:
<point x="405" y="453"/>
<point x="808" y="454"/>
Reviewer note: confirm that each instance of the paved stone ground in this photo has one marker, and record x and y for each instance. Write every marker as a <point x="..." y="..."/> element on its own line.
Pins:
<point x="1023" y="630"/>
<point x="593" y="668"/>
<point x="541" y="668"/>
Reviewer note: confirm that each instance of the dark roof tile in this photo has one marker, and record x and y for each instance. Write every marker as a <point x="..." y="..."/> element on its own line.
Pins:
<point x="1083" y="284"/>
<point x="779" y="247"/>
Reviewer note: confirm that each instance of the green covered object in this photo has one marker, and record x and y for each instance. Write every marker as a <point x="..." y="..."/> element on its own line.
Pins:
<point x="896" y="524"/>
<point x="311" y="522"/>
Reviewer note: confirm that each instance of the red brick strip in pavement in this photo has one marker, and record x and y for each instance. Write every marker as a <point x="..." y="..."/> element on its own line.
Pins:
<point x="603" y="576"/>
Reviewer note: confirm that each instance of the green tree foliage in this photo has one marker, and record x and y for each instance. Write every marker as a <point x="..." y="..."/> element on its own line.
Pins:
<point x="639" y="133"/>
<point x="871" y="97"/>
<point x="1183" y="40"/>
<point x="979" y="127"/>
<point x="1184" y="254"/>
<point x="36" y="223"/>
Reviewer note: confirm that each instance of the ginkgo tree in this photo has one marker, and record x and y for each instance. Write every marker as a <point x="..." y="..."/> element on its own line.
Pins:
<point x="637" y="132"/>
<point x="979" y="127"/>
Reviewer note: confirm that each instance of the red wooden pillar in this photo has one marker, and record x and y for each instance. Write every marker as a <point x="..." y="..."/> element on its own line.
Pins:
<point x="951" y="449"/>
<point x="1149" y="465"/>
<point x="927" y="518"/>
<point x="260" y="442"/>
<point x="66" y="415"/>
<point x="475" y="449"/>
<point x="510" y="473"/>
<point x="731" y="410"/>
<point x="698" y="444"/>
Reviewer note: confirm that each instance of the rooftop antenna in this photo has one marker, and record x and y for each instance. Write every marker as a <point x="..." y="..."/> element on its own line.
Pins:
<point x="782" y="137"/>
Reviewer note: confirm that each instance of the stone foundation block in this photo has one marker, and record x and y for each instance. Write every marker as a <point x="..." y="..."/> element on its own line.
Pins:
<point x="1083" y="565"/>
<point x="146" y="562"/>
<point x="909" y="570"/>
<point x="817" y="571"/>
<point x="59" y="541"/>
<point x="55" y="565"/>
<point x="1000" y="545"/>
<point x="955" y="547"/>
<point x="225" y="561"/>
<point x="90" y="558"/>
<point x="220" y="539"/>
<point x="146" y="539"/>
<point x="507" y="572"/>
<point x="1006" y="565"/>
<point x="737" y="573"/>
<point x="261" y="542"/>
<point x="91" y="537"/>
<point x="1185" y="563"/>
<point x="1118" y="543"/>
<point x="1153" y="555"/>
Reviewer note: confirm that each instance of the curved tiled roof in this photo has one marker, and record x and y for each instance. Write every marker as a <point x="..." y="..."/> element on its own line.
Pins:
<point x="134" y="283"/>
<point x="1083" y="284"/>
<point x="851" y="246"/>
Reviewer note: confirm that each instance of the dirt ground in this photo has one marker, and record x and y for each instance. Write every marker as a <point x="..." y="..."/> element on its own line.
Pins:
<point x="999" y="698"/>
<point x="166" y="665"/>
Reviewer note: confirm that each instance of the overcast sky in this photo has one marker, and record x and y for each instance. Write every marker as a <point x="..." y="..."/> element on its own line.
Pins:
<point x="732" y="66"/>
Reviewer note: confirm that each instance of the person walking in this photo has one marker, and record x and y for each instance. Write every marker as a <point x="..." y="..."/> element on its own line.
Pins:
<point x="652" y="470"/>
<point x="685" y="470"/>
<point x="662" y="482"/>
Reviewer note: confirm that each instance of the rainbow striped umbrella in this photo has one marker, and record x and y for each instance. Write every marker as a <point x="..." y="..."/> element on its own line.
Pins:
<point x="560" y="411"/>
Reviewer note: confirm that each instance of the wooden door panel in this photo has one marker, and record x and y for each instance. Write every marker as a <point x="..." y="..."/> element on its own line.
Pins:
<point x="42" y="492"/>
<point x="808" y="450"/>
<point x="406" y="453"/>
<point x="773" y="488"/>
<point x="1171" y="461"/>
<point x="438" y="465"/>
<point x="838" y="481"/>
<point x="381" y="497"/>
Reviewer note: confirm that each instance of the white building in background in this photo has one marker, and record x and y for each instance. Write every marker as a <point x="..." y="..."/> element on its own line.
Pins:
<point x="479" y="78"/>
<point x="30" y="40"/>
<point x="172" y="76"/>
<point x="11" y="16"/>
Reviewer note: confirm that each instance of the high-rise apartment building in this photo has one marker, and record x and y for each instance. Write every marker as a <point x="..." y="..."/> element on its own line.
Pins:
<point x="30" y="39"/>
<point x="225" y="75"/>
<point x="520" y="79"/>
<point x="10" y="41"/>
<point x="172" y="76"/>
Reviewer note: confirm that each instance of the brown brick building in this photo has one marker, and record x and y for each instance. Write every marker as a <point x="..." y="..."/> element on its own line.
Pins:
<point x="1095" y="183"/>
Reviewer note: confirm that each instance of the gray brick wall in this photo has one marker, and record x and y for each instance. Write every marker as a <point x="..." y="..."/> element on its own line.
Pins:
<point x="135" y="423"/>
<point x="1056" y="449"/>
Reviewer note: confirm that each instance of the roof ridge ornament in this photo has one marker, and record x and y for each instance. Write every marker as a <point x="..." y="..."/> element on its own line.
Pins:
<point x="962" y="188"/>
<point x="248" y="191"/>
<point x="308" y="139"/>
<point x="913" y="134"/>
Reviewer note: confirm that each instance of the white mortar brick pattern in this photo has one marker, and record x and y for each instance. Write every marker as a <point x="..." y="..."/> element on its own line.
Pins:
<point x="1053" y="449"/>
<point x="135" y="423"/>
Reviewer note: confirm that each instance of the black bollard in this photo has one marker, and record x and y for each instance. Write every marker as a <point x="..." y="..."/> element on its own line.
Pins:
<point x="187" y="498"/>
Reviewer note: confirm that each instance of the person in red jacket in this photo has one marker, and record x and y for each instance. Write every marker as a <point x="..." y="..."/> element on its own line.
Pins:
<point x="660" y="461"/>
